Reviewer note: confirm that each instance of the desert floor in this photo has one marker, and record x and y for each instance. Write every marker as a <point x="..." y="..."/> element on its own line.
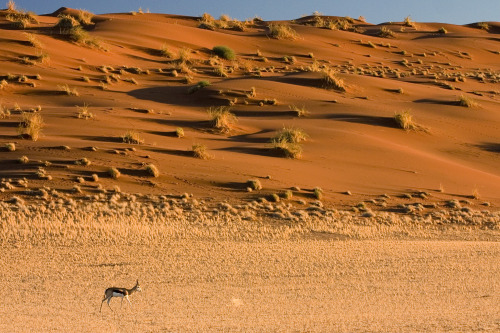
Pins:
<point x="292" y="286"/>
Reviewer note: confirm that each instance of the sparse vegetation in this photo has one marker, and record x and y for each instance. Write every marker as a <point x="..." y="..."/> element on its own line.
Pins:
<point x="31" y="125"/>
<point x="442" y="30"/>
<point x="221" y="118"/>
<point x="23" y="159"/>
<point x="224" y="52"/>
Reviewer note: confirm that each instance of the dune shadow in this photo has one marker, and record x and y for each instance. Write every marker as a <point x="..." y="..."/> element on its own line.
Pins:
<point x="232" y="186"/>
<point x="262" y="113"/>
<point x="196" y="124"/>
<point x="9" y="137"/>
<point x="251" y="151"/>
<point x="9" y="124"/>
<point x="177" y="95"/>
<point x="172" y="134"/>
<point x="250" y="138"/>
<point x="364" y="119"/>
<point x="100" y="138"/>
<point x="176" y="152"/>
<point x="435" y="101"/>
<point x="489" y="146"/>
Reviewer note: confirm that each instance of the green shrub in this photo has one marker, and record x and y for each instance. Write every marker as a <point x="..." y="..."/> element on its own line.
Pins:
<point x="224" y="52"/>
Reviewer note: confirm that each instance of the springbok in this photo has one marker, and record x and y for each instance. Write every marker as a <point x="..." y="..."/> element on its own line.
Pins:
<point x="120" y="292"/>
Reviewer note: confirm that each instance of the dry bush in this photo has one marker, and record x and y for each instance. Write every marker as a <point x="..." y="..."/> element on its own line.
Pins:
<point x="408" y="22"/>
<point x="84" y="113"/>
<point x="200" y="151"/>
<point x="331" y="81"/>
<point x="33" y="40"/>
<point x="254" y="184"/>
<point x="466" y="101"/>
<point x="287" y="142"/>
<point x="81" y="36"/>
<point x="282" y="31"/>
<point x="221" y="118"/>
<point x="405" y="121"/>
<point x="68" y="91"/>
<point x="300" y="111"/>
<point x="318" y="193"/>
<point x="66" y="23"/>
<point x="165" y="52"/>
<point x="31" y="125"/>
<point x="132" y="137"/>
<point x="114" y="173"/>
<point x="221" y="70"/>
<point x="4" y="112"/>
<point x="85" y="17"/>
<point x="442" y="30"/>
<point x="21" y="19"/>
<point x="483" y="25"/>
<point x="179" y="132"/>
<point x="385" y="32"/>
<point x="23" y="159"/>
<point x="198" y="86"/>
<point x="184" y="56"/>
<point x="10" y="146"/>
<point x="3" y="84"/>
<point x="152" y="170"/>
<point x="207" y="21"/>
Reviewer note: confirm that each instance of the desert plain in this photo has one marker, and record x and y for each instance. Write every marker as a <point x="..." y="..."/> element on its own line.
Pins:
<point x="321" y="174"/>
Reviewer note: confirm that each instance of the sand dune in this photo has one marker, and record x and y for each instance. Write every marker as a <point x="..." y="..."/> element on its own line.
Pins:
<point x="354" y="143"/>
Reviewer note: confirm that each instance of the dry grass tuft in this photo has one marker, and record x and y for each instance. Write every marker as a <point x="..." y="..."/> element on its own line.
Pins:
<point x="221" y="118"/>
<point x="331" y="81"/>
<point x="287" y="142"/>
<point x="114" y="173"/>
<point x="23" y="159"/>
<point x="318" y="193"/>
<point x="300" y="111"/>
<point x="385" y="33"/>
<point x="282" y="31"/>
<point x="68" y="90"/>
<point x="10" y="146"/>
<point x="132" y="137"/>
<point x="31" y="125"/>
<point x="179" y="132"/>
<point x="466" y="101"/>
<point x="405" y="121"/>
<point x="152" y="170"/>
<point x="84" y="113"/>
<point x="200" y="151"/>
<point x="254" y="184"/>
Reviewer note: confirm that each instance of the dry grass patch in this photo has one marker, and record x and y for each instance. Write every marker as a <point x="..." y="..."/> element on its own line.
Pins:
<point x="33" y="40"/>
<point x="179" y="132"/>
<point x="224" y="52"/>
<point x="221" y="118"/>
<point x="23" y="159"/>
<point x="282" y="31"/>
<point x="31" y="125"/>
<point x="132" y="137"/>
<point x="254" y="184"/>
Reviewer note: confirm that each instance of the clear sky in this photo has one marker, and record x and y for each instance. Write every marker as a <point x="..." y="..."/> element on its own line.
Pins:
<point x="375" y="11"/>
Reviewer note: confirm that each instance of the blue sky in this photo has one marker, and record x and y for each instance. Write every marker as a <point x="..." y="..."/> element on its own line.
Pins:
<point x="375" y="11"/>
